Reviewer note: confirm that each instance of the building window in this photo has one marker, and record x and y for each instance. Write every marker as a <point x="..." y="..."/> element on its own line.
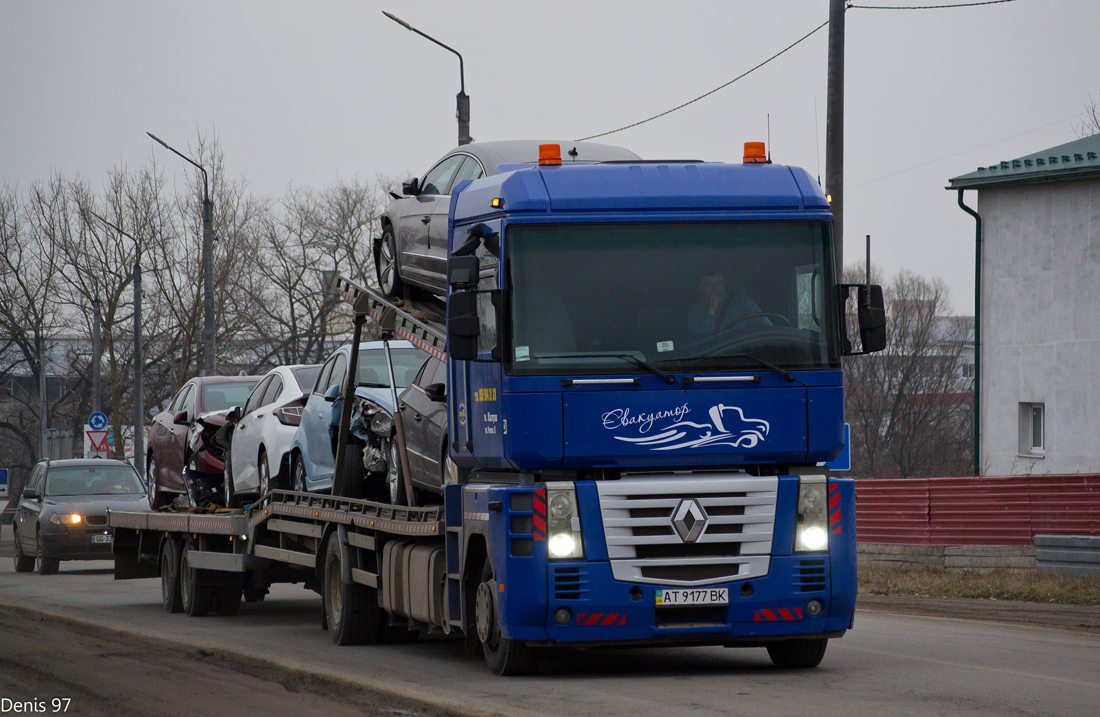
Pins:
<point x="1032" y="429"/>
<point x="968" y="370"/>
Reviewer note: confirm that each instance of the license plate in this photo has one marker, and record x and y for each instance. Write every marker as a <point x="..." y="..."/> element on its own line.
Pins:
<point x="102" y="538"/>
<point x="674" y="597"/>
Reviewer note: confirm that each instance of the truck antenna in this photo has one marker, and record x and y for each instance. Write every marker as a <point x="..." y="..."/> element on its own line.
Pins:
<point x="817" y="138"/>
<point x="868" y="260"/>
<point x="769" y="138"/>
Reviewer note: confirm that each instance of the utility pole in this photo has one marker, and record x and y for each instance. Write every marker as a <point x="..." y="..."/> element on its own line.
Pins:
<point x="139" y="358"/>
<point x="210" y="366"/>
<point x="43" y="422"/>
<point x="834" y="128"/>
<point x="463" y="100"/>
<point x="96" y="319"/>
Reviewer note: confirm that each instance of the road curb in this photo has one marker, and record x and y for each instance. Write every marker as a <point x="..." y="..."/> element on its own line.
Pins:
<point x="244" y="658"/>
<point x="1075" y="619"/>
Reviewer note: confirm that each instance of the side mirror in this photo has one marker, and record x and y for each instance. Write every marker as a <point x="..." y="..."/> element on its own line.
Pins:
<point x="181" y="419"/>
<point x="410" y="188"/>
<point x="29" y="494"/>
<point x="872" y="318"/>
<point x="437" y="392"/>
<point x="463" y="271"/>
<point x="332" y="393"/>
<point x="463" y="325"/>
<point x="234" y="415"/>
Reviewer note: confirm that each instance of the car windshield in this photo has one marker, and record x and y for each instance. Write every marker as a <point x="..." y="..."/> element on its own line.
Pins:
<point x="712" y="296"/>
<point x="406" y="364"/>
<point x="223" y="396"/>
<point x="306" y="376"/>
<point x="104" y="479"/>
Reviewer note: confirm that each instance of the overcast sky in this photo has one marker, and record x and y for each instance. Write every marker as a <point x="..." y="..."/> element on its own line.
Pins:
<point x="308" y="93"/>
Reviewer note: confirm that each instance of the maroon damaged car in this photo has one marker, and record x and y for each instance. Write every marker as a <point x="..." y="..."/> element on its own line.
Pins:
<point x="171" y="435"/>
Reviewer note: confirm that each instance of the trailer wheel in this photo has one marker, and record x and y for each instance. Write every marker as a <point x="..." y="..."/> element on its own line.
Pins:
<point x="798" y="654"/>
<point x="170" y="576"/>
<point x="351" y="610"/>
<point x="196" y="599"/>
<point x="503" y="655"/>
<point x="227" y="599"/>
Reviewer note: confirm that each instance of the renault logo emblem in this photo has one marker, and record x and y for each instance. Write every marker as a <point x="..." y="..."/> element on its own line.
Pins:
<point x="689" y="520"/>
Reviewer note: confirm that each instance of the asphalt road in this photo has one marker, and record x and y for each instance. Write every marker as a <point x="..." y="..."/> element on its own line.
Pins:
<point x="889" y="664"/>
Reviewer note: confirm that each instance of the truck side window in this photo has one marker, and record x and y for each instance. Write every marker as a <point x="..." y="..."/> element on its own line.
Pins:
<point x="809" y="300"/>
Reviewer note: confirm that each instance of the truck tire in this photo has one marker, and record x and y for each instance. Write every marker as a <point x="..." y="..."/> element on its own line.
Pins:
<point x="798" y="654"/>
<point x="351" y="610"/>
<point x="385" y="266"/>
<point x="227" y="599"/>
<point x="170" y="577"/>
<point x="23" y="563"/>
<point x="503" y="655"/>
<point x="196" y="599"/>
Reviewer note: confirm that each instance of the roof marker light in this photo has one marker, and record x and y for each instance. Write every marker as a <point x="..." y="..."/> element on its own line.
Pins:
<point x="755" y="153"/>
<point x="549" y="155"/>
<point x="497" y="203"/>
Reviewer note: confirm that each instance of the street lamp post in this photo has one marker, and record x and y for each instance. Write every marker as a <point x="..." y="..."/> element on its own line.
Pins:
<point x="97" y="322"/>
<point x="462" y="98"/>
<point x="139" y="358"/>
<point x="209" y="362"/>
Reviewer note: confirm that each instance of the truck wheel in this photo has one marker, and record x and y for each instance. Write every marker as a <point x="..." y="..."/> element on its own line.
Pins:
<point x="798" y="654"/>
<point x="351" y="611"/>
<point x="503" y="655"/>
<point x="227" y="599"/>
<point x="389" y="280"/>
<point x="46" y="566"/>
<point x="170" y="577"/>
<point x="23" y="563"/>
<point x="196" y="599"/>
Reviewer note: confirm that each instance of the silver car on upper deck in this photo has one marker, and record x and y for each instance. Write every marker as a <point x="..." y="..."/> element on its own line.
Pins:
<point x="412" y="249"/>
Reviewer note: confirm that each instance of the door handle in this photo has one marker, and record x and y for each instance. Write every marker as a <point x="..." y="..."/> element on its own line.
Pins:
<point x="417" y="417"/>
<point x="425" y="219"/>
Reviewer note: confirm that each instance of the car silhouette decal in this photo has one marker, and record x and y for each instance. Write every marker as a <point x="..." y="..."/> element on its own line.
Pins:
<point x="728" y="427"/>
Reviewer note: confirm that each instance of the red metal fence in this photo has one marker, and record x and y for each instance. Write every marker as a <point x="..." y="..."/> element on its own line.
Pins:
<point x="1001" y="510"/>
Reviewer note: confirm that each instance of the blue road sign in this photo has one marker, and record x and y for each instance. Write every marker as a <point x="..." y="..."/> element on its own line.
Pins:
<point x="97" y="421"/>
<point x="843" y="462"/>
<point x="3" y="482"/>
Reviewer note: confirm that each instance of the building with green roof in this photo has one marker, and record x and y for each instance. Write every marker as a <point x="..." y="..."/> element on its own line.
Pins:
<point x="1037" y="310"/>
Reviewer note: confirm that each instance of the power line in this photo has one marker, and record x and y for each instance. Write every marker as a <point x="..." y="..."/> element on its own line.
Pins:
<point x="926" y="7"/>
<point x="707" y="94"/>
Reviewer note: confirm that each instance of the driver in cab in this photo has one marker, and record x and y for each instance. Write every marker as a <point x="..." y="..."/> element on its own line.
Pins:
<point x="718" y="309"/>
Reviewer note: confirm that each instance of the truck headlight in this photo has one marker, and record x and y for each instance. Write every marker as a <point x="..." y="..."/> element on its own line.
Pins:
<point x="811" y="533"/>
<point x="563" y="522"/>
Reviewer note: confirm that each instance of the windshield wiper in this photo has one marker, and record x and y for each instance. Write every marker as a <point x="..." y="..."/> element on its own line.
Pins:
<point x="633" y="359"/>
<point x="770" y="366"/>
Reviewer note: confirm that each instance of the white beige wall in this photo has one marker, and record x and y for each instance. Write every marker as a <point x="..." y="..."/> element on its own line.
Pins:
<point x="1041" y="323"/>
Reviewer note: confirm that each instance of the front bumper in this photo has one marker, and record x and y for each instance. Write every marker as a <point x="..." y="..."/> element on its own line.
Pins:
<point x="75" y="543"/>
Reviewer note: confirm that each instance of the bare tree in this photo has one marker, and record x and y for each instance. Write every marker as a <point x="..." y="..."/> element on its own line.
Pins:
<point x="910" y="405"/>
<point x="1090" y="119"/>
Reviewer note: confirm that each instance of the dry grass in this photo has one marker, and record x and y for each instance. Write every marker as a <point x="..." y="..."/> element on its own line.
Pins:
<point x="996" y="584"/>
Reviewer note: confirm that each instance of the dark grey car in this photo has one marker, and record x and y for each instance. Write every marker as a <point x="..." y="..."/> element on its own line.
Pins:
<point x="413" y="246"/>
<point x="423" y="407"/>
<point x="63" y="511"/>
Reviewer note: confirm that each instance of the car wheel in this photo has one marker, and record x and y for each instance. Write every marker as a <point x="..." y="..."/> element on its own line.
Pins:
<point x="170" y="577"/>
<point x="386" y="268"/>
<point x="503" y="655"/>
<point x="46" y="566"/>
<point x="298" y="474"/>
<point x="395" y="484"/>
<point x="23" y="563"/>
<point x="227" y="487"/>
<point x="265" y="474"/>
<point x="157" y="497"/>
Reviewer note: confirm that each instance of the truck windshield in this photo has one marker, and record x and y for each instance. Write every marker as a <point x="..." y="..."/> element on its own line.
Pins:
<point x="684" y="297"/>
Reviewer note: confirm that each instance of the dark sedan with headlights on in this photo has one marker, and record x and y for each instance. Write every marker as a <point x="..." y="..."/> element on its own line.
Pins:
<point x="63" y="513"/>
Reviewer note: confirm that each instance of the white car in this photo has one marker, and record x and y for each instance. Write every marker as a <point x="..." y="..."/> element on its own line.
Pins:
<point x="258" y="455"/>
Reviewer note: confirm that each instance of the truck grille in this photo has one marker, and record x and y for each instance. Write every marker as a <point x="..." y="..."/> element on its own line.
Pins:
<point x="688" y="529"/>
<point x="571" y="583"/>
<point x="811" y="575"/>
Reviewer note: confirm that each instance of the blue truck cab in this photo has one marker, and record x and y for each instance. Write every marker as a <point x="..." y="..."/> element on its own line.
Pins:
<point x="645" y="383"/>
